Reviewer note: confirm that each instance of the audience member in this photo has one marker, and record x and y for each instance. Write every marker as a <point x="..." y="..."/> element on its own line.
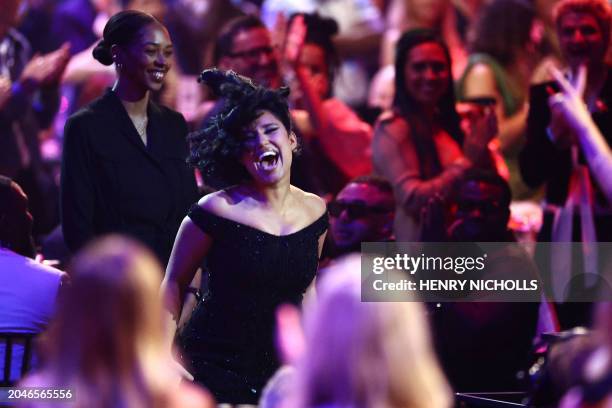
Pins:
<point x="490" y="361"/>
<point x="503" y="55"/>
<point x="107" y="343"/>
<point x="123" y="164"/>
<point x="357" y="354"/>
<point x="417" y="147"/>
<point x="406" y="15"/>
<point x="596" y="150"/>
<point x="363" y="211"/>
<point x="338" y="140"/>
<point x="30" y="106"/>
<point x="28" y="289"/>
<point x="244" y="45"/>
<point x="576" y="209"/>
<point x="360" y="26"/>
<point x="583" y="28"/>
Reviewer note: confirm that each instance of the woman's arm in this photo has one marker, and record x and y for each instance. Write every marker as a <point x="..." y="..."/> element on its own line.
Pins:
<point x="394" y="156"/>
<point x="570" y="106"/>
<point x="190" y="248"/>
<point x="77" y="185"/>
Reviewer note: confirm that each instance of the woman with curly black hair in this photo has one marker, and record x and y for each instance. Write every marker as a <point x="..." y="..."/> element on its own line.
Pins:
<point x="259" y="238"/>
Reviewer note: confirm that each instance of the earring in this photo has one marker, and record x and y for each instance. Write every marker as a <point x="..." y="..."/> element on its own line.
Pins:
<point x="117" y="64"/>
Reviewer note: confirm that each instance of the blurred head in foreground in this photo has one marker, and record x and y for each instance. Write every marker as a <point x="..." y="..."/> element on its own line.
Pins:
<point x="108" y="341"/>
<point x="366" y="354"/>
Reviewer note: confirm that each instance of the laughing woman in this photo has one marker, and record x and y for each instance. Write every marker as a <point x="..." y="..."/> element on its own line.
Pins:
<point x="259" y="237"/>
<point x="123" y="167"/>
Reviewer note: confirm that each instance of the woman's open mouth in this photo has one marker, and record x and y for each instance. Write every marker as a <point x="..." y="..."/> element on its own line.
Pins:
<point x="268" y="160"/>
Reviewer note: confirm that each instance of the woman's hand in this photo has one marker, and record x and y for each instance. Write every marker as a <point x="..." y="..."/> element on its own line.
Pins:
<point x="483" y="128"/>
<point x="295" y="41"/>
<point x="568" y="110"/>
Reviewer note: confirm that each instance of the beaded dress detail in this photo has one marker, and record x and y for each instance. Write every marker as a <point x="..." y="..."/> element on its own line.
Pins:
<point x="228" y="343"/>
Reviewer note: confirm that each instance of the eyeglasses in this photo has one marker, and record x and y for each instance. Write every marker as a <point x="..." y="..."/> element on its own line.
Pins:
<point x="253" y="54"/>
<point x="355" y="209"/>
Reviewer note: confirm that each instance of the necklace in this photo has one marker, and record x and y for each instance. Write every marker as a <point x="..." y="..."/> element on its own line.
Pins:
<point x="141" y="127"/>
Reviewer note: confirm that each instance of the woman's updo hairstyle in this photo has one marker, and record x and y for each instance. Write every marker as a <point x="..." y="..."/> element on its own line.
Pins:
<point x="121" y="29"/>
<point x="216" y="149"/>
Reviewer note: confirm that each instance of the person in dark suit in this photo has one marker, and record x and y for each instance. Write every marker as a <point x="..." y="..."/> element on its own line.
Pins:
<point x="124" y="163"/>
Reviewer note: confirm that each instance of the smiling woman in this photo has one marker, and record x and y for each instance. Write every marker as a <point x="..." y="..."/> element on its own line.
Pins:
<point x="418" y="147"/>
<point x="123" y="168"/>
<point x="259" y="239"/>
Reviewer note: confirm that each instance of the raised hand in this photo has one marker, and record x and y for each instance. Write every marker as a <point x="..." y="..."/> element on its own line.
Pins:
<point x="295" y="40"/>
<point x="568" y="105"/>
<point x="483" y="128"/>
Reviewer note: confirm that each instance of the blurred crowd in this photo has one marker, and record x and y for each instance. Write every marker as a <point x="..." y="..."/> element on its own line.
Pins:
<point x="416" y="120"/>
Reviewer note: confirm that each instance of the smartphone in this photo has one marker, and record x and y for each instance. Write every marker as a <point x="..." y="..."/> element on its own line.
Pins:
<point x="480" y="100"/>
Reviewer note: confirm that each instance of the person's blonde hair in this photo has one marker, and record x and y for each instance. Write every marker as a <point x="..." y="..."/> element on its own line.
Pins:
<point x="367" y="354"/>
<point x="108" y="339"/>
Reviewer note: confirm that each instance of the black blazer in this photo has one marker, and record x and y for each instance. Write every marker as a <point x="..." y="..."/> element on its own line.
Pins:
<point x="540" y="160"/>
<point x="112" y="183"/>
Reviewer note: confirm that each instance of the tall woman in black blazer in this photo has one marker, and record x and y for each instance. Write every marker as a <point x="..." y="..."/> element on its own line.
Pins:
<point x="123" y="167"/>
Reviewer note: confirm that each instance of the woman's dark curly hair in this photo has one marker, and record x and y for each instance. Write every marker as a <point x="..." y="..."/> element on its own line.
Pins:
<point x="216" y="149"/>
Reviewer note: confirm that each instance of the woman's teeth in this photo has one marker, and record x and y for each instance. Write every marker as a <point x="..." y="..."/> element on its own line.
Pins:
<point x="158" y="75"/>
<point x="268" y="160"/>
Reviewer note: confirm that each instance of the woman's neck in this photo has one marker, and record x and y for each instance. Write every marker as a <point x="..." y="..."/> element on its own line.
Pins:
<point x="135" y="99"/>
<point x="270" y="196"/>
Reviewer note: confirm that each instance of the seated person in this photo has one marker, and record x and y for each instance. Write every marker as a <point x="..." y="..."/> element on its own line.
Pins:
<point x="490" y="360"/>
<point x="363" y="211"/>
<point x="28" y="289"/>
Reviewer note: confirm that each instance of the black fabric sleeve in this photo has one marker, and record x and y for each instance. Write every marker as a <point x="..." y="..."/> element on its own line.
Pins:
<point x="76" y="187"/>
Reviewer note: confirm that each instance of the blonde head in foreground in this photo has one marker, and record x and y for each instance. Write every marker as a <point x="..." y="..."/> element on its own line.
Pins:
<point x="366" y="354"/>
<point x="107" y="342"/>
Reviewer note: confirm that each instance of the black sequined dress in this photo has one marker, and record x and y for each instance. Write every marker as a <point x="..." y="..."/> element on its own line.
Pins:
<point x="229" y="341"/>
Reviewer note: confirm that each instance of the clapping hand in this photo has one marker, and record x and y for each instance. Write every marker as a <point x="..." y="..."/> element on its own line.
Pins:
<point x="43" y="70"/>
<point x="295" y="41"/>
<point x="483" y="128"/>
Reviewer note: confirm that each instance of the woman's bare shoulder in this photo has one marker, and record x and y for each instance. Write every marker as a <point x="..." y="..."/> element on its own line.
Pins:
<point x="314" y="205"/>
<point x="391" y="124"/>
<point x="219" y="202"/>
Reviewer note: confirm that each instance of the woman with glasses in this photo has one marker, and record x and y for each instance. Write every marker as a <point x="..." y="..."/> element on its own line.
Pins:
<point x="419" y="146"/>
<point x="259" y="238"/>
